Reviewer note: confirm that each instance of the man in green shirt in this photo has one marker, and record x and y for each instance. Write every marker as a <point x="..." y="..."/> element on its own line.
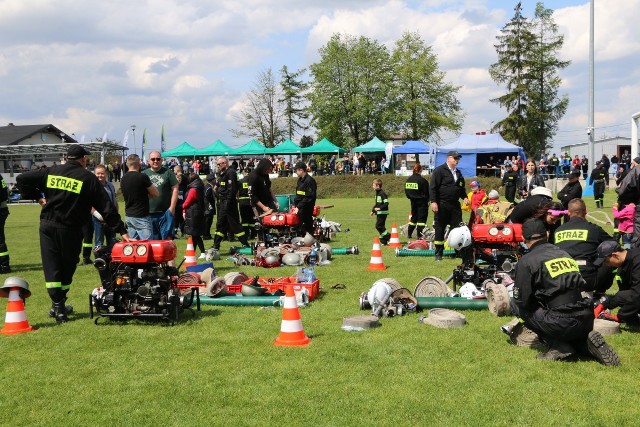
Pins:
<point x="162" y="209"/>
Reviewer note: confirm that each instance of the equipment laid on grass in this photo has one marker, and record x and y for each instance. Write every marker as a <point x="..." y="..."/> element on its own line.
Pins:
<point x="137" y="282"/>
<point x="353" y="250"/>
<point x="444" y="318"/>
<point x="457" y="303"/>
<point x="423" y="252"/>
<point x="16" y="290"/>
<point x="376" y="263"/>
<point x="291" y="331"/>
<point x="360" y="323"/>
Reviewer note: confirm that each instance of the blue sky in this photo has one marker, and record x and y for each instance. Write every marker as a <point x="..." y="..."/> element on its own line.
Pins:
<point x="96" y="67"/>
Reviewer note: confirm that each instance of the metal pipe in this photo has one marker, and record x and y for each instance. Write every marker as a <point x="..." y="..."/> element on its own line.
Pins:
<point x="454" y="303"/>
<point x="239" y="300"/>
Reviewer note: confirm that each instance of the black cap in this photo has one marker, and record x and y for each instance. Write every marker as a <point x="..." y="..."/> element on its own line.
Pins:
<point x="300" y="165"/>
<point x="605" y="249"/>
<point x="598" y="162"/>
<point x="574" y="173"/>
<point x="636" y="160"/>
<point x="211" y="177"/>
<point x="76" y="151"/>
<point x="534" y="229"/>
<point x="454" y="153"/>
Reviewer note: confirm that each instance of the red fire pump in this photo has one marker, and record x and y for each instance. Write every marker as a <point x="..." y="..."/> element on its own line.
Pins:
<point x="137" y="282"/>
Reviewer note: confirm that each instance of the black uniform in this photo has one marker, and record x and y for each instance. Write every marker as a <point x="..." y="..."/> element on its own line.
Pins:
<point x="228" y="217"/>
<point x="4" y="213"/>
<point x="546" y="295"/>
<point x="527" y="209"/>
<point x="417" y="191"/>
<point x="247" y="216"/>
<point x="599" y="178"/>
<point x="580" y="239"/>
<point x="573" y="190"/>
<point x="628" y="297"/>
<point x="209" y="209"/>
<point x="70" y="192"/>
<point x="182" y="193"/>
<point x="446" y="192"/>
<point x="305" y="200"/>
<point x="510" y="184"/>
<point x="382" y="203"/>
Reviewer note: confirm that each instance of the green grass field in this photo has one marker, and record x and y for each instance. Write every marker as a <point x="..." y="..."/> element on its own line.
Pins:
<point x="222" y="368"/>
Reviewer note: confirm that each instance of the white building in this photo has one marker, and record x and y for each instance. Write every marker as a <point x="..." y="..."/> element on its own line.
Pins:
<point x="610" y="146"/>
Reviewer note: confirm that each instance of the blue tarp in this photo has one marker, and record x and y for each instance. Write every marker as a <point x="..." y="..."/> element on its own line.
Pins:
<point x="412" y="147"/>
<point x="472" y="145"/>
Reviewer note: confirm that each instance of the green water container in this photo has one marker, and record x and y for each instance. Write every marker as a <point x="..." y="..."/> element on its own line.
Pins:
<point x="285" y="202"/>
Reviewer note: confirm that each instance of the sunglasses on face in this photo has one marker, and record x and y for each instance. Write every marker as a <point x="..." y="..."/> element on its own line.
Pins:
<point x="155" y="159"/>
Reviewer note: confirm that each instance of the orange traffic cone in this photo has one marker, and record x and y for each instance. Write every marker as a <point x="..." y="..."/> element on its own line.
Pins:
<point x="291" y="332"/>
<point x="190" y="256"/>
<point x="394" y="241"/>
<point x="16" y="319"/>
<point x="376" y="256"/>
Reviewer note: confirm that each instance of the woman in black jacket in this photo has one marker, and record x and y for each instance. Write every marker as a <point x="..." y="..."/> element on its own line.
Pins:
<point x="529" y="180"/>
<point x="193" y="212"/>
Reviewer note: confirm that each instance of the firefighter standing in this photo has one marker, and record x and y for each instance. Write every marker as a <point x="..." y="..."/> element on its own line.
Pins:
<point x="226" y="193"/>
<point x="446" y="188"/>
<point x="305" y="198"/>
<point x="66" y="194"/>
<point x="580" y="239"/>
<point x="4" y="213"/>
<point x="509" y="182"/>
<point x="417" y="191"/>
<point x="600" y="180"/>
<point x="244" y="202"/>
<point x="209" y="205"/>
<point x="546" y="296"/>
<point x="381" y="211"/>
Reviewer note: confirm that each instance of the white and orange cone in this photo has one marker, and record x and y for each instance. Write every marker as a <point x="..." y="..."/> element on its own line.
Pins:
<point x="190" y="255"/>
<point x="394" y="241"/>
<point x="291" y="331"/>
<point x="376" y="256"/>
<point x="16" y="319"/>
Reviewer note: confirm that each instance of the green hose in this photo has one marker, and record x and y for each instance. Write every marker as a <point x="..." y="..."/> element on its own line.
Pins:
<point x="244" y="251"/>
<point x="422" y="252"/>
<point x="453" y="303"/>
<point x="239" y="300"/>
<point x="345" y="251"/>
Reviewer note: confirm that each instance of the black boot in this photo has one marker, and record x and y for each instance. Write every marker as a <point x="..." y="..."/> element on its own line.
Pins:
<point x="243" y="240"/>
<point x="439" y="252"/>
<point x="60" y="312"/>
<point x="410" y="231"/>
<point x="216" y="242"/>
<point x="68" y="309"/>
<point x="4" y="259"/>
<point x="419" y="231"/>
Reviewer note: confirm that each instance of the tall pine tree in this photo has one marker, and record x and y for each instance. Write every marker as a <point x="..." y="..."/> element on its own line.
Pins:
<point x="293" y="98"/>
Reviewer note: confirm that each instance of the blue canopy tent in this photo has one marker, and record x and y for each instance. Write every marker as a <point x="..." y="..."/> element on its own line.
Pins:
<point x="373" y="146"/>
<point x="472" y="145"/>
<point x="412" y="147"/>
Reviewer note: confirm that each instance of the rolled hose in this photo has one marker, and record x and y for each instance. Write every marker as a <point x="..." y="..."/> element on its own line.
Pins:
<point x="453" y="303"/>
<point x="353" y="250"/>
<point x="422" y="252"/>
<point x="239" y="300"/>
<point x="241" y="251"/>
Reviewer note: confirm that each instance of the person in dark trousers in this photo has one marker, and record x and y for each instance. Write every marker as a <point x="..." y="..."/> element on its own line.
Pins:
<point x="381" y="210"/>
<point x="5" y="267"/>
<point x="305" y="200"/>
<point x="628" y="264"/>
<point x="226" y="193"/>
<point x="510" y="183"/>
<point x="573" y="190"/>
<point x="546" y="297"/>
<point x="87" y="242"/>
<point x="580" y="239"/>
<point x="600" y="180"/>
<point x="247" y="216"/>
<point x="209" y="206"/>
<point x="102" y="233"/>
<point x="446" y="189"/>
<point x="417" y="191"/>
<point x="178" y="223"/>
<point x="193" y="212"/>
<point x="66" y="193"/>
<point x="137" y="189"/>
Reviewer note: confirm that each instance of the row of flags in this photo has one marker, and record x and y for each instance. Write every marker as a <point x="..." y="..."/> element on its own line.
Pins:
<point x="125" y="141"/>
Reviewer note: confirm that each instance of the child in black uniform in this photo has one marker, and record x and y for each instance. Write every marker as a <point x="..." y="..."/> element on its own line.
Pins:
<point x="381" y="210"/>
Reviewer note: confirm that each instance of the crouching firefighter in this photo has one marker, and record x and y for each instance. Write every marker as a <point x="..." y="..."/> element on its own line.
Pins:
<point x="546" y="296"/>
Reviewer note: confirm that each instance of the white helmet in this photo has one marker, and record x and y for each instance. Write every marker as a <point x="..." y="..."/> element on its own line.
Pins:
<point x="542" y="191"/>
<point x="292" y="258"/>
<point x="494" y="195"/>
<point x="469" y="290"/>
<point x="309" y="239"/>
<point x="459" y="237"/>
<point x="378" y="295"/>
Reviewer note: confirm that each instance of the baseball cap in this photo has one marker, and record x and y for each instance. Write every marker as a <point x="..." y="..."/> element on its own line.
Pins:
<point x="300" y="165"/>
<point x="533" y="228"/>
<point x="211" y="177"/>
<point x="474" y="184"/>
<point x="605" y="249"/>
<point x="76" y="151"/>
<point x="454" y="154"/>
<point x="574" y="173"/>
<point x="636" y="160"/>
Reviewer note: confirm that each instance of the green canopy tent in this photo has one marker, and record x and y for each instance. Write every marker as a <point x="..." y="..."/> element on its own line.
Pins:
<point x="218" y="148"/>
<point x="251" y="148"/>
<point x="286" y="147"/>
<point x="323" y="147"/>
<point x="183" y="150"/>
<point x="373" y="146"/>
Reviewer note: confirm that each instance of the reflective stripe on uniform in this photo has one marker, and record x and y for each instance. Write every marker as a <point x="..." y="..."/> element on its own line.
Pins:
<point x="53" y="285"/>
<point x="65" y="287"/>
<point x="438" y="242"/>
<point x="411" y="185"/>
<point x="559" y="266"/>
<point x="4" y="254"/>
<point x="240" y="234"/>
<point x="64" y="183"/>
<point x="300" y="193"/>
<point x="87" y="245"/>
<point x="217" y="233"/>
<point x="577" y="234"/>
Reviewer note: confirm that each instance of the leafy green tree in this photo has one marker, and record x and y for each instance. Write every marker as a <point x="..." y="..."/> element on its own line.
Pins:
<point x="262" y="115"/>
<point x="545" y="108"/>
<point x="293" y="88"/>
<point x="349" y="90"/>
<point x="425" y="103"/>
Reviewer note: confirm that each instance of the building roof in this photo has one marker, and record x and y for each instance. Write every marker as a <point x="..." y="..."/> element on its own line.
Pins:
<point x="12" y="135"/>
